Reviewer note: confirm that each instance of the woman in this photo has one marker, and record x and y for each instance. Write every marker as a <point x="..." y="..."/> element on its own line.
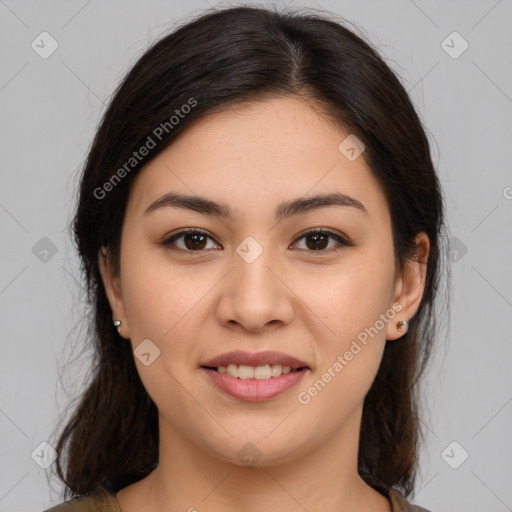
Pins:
<point x="259" y="222"/>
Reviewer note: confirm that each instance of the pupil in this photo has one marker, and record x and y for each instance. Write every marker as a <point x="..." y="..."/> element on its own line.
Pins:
<point x="316" y="237"/>
<point x="194" y="243"/>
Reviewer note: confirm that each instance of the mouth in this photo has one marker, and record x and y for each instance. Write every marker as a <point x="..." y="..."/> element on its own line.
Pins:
<point x="254" y="376"/>
<point x="262" y="372"/>
<point x="254" y="384"/>
<point x="259" y="365"/>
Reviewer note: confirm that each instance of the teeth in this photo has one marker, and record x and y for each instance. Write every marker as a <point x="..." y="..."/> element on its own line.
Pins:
<point x="259" y="372"/>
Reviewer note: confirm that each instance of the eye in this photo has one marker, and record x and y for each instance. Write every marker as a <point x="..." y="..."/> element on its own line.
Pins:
<point x="195" y="240"/>
<point x="319" y="239"/>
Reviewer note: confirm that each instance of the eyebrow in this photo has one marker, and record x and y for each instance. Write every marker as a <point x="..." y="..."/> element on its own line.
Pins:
<point x="283" y="211"/>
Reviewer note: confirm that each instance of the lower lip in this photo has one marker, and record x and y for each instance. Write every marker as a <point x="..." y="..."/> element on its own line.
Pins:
<point x="255" y="390"/>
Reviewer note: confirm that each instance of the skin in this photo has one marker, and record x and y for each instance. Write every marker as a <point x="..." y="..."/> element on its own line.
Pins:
<point x="310" y="304"/>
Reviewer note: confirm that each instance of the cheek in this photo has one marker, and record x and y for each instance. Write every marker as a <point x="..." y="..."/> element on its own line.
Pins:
<point x="355" y="309"/>
<point x="350" y="350"/>
<point x="170" y="305"/>
<point x="161" y="304"/>
<point x="351" y="295"/>
<point x="157" y="295"/>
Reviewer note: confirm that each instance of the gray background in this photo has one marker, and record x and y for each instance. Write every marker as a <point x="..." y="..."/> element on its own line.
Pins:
<point x="50" y="109"/>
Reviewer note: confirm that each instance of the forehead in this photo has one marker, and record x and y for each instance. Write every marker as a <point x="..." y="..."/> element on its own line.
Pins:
<point x="253" y="156"/>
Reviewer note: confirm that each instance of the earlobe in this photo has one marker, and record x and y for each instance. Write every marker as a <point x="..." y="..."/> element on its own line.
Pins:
<point x="409" y="287"/>
<point x="112" y="285"/>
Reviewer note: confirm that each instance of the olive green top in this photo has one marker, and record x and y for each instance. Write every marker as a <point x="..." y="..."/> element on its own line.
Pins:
<point x="105" y="501"/>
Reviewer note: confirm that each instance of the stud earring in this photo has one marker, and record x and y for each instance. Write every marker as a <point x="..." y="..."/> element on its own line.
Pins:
<point x="402" y="325"/>
<point x="117" y="323"/>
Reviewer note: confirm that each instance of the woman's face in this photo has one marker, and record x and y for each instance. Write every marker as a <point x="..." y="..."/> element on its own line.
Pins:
<point x="254" y="281"/>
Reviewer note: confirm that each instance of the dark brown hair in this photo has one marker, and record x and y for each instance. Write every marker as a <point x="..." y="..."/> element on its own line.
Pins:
<point x="225" y="58"/>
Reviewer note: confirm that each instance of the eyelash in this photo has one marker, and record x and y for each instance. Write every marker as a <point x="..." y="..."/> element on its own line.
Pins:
<point x="169" y="242"/>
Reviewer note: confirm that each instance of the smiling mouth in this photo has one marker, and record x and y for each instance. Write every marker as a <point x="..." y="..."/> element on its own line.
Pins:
<point x="263" y="372"/>
<point x="254" y="384"/>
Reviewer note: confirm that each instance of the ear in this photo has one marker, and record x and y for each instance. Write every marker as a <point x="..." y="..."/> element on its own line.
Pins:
<point x="112" y="284"/>
<point x="410" y="285"/>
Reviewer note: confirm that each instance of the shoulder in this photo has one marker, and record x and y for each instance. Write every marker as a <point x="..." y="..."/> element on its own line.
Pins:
<point x="399" y="502"/>
<point x="92" y="502"/>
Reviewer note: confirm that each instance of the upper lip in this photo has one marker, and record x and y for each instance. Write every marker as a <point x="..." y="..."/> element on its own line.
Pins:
<point x="255" y="359"/>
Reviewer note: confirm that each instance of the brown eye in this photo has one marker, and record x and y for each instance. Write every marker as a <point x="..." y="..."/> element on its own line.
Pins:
<point x="318" y="240"/>
<point x="194" y="240"/>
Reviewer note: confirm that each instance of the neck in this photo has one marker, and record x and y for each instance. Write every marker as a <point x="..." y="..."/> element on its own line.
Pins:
<point x="322" y="477"/>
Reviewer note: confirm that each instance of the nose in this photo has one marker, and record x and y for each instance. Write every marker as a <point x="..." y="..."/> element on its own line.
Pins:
<point x="256" y="295"/>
